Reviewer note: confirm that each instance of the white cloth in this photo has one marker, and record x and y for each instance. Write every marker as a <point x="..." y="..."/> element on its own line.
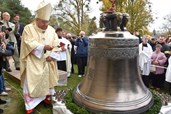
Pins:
<point x="60" y="108"/>
<point x="144" y="63"/>
<point x="65" y="55"/>
<point x="148" y="50"/>
<point x="38" y="52"/>
<point x="168" y="71"/>
<point x="30" y="102"/>
<point x="166" y="109"/>
<point x="145" y="54"/>
<point x="62" y="55"/>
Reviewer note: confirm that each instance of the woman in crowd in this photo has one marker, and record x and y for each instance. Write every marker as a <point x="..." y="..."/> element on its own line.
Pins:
<point x="158" y="59"/>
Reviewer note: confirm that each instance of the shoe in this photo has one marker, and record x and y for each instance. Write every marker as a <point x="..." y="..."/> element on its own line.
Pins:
<point x="68" y="74"/>
<point x="3" y="101"/>
<point x="7" y="89"/>
<point x="8" y="69"/>
<point x="17" y="68"/>
<point x="47" y="102"/>
<point x="47" y="105"/>
<point x="4" y="93"/>
<point x="1" y="111"/>
<point x="30" y="111"/>
<point x="80" y="76"/>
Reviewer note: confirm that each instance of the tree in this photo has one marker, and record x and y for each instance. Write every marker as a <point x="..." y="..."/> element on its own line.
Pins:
<point x="140" y="15"/>
<point x="73" y="15"/>
<point x="138" y="10"/>
<point x="15" y="7"/>
<point x="119" y="5"/>
<point x="166" y="27"/>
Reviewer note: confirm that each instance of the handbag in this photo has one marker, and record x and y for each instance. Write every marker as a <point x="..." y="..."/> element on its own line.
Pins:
<point x="9" y="51"/>
<point x="152" y="68"/>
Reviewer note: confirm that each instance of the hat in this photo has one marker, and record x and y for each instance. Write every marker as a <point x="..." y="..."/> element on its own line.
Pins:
<point x="44" y="10"/>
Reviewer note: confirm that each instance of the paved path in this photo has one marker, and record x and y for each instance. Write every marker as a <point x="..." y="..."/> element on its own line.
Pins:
<point x="16" y="74"/>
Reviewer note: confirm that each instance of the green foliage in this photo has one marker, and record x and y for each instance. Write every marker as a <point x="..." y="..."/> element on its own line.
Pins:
<point x="140" y="15"/>
<point x="156" y="106"/>
<point x="139" y="11"/>
<point x="119" y="5"/>
<point x="15" y="7"/>
<point x="72" y="106"/>
<point x="77" y="109"/>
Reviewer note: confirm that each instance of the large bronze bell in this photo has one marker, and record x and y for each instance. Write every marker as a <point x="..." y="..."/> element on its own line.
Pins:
<point x="113" y="83"/>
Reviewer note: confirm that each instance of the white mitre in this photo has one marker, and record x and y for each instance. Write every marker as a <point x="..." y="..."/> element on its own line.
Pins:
<point x="44" y="10"/>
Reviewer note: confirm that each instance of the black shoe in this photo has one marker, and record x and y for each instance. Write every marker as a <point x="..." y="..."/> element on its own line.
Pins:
<point x="8" y="70"/>
<point x="3" y="101"/>
<point x="1" y="111"/>
<point x="18" y="68"/>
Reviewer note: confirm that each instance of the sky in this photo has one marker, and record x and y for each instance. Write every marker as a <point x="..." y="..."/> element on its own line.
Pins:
<point x="160" y="8"/>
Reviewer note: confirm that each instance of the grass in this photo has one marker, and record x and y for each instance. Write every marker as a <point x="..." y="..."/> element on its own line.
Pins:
<point x="17" y="98"/>
<point x="16" y="94"/>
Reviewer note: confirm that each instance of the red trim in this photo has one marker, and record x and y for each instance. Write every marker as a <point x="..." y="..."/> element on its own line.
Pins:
<point x="48" y="101"/>
<point x="29" y="111"/>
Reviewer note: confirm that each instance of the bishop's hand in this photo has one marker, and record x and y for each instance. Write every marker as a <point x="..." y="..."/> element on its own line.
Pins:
<point x="48" y="47"/>
<point x="49" y="59"/>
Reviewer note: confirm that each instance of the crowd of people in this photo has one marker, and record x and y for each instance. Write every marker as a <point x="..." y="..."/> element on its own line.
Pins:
<point x="154" y="56"/>
<point x="8" y="32"/>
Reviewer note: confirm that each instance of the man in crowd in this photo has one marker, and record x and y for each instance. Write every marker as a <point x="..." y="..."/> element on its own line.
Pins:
<point x="18" y="30"/>
<point x="145" y="52"/>
<point x="11" y="37"/>
<point x="73" y="56"/>
<point x="165" y="48"/>
<point x="64" y="58"/>
<point x="81" y="53"/>
<point x="39" y="73"/>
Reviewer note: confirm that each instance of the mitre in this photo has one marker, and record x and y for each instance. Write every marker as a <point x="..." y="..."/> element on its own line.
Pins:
<point x="44" y="10"/>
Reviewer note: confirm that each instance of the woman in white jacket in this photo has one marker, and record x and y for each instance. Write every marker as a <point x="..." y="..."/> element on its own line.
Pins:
<point x="168" y="75"/>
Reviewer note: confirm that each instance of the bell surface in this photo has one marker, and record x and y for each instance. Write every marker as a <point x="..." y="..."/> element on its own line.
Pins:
<point x="113" y="83"/>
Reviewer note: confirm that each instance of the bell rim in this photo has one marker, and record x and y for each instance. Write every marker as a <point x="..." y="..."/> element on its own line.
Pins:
<point x="132" y="107"/>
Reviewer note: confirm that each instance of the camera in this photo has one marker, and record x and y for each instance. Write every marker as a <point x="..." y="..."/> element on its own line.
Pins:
<point x="9" y="29"/>
<point x="3" y="29"/>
